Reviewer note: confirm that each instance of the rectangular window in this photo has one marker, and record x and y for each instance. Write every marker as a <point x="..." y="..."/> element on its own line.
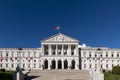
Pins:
<point x="72" y="53"/>
<point x="84" y="65"/>
<point x="117" y="55"/>
<point x="106" y="65"/>
<point x="90" y="66"/>
<point x="23" y="65"/>
<point x="53" y="52"/>
<point x="12" y="66"/>
<point x="34" y="65"/>
<point x="95" y="65"/>
<point x="6" y="65"/>
<point x="1" y="65"/>
<point x="28" y="65"/>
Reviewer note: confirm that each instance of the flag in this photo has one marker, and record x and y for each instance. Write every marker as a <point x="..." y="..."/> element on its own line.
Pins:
<point x="57" y="28"/>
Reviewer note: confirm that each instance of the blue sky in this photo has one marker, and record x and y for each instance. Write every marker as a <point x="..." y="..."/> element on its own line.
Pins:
<point x="23" y="23"/>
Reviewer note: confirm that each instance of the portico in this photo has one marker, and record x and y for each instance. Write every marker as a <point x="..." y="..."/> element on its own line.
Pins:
<point x="60" y="52"/>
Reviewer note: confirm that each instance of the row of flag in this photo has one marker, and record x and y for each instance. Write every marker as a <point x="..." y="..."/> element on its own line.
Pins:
<point x="103" y="58"/>
<point x="9" y="58"/>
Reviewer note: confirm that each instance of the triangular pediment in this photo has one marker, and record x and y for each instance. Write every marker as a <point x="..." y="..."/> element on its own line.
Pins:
<point x="59" y="38"/>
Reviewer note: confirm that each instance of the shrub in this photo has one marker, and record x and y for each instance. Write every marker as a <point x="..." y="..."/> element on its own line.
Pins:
<point x="103" y="70"/>
<point x="116" y="70"/>
<point x="2" y="70"/>
<point x="109" y="71"/>
<point x="22" y="69"/>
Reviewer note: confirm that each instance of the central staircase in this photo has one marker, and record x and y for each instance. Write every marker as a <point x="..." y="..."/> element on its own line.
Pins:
<point x="59" y="75"/>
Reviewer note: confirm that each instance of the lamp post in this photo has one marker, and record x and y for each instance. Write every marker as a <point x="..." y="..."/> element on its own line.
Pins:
<point x="18" y="68"/>
<point x="20" y="49"/>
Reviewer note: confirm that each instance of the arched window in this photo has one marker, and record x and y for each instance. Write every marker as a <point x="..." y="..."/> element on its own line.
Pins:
<point x="53" y="66"/>
<point x="46" y="64"/>
<point x="73" y="64"/>
<point x="65" y="64"/>
<point x="59" y="64"/>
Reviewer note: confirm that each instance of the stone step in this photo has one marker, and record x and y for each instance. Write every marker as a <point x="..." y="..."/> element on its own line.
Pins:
<point x="60" y="74"/>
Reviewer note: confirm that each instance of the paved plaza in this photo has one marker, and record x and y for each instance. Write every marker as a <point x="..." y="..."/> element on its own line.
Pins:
<point x="59" y="75"/>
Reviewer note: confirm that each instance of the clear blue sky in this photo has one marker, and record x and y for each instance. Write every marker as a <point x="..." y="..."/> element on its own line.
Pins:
<point x="23" y="23"/>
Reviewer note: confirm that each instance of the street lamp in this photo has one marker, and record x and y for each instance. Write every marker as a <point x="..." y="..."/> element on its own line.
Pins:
<point x="18" y="68"/>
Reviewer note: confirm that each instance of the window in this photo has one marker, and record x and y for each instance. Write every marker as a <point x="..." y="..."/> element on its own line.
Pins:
<point x="12" y="53"/>
<point x="95" y="65"/>
<point x="89" y="55"/>
<point x="23" y="54"/>
<point x="39" y="66"/>
<point x="59" y="53"/>
<point x="90" y="66"/>
<point x="112" y="60"/>
<point x="95" y="60"/>
<point x="84" y="65"/>
<point x="35" y="52"/>
<point x="7" y="53"/>
<point x="112" y="65"/>
<point x="106" y="55"/>
<point x="72" y="53"/>
<point x="95" y="55"/>
<point x="12" y="65"/>
<point x="29" y="54"/>
<point x="34" y="65"/>
<point x="34" y="60"/>
<point x="46" y="53"/>
<point x="111" y="55"/>
<point x="106" y="65"/>
<point x="6" y="65"/>
<point x="12" y="60"/>
<point x="84" y="60"/>
<point x="1" y="65"/>
<point x="101" y="55"/>
<point x="65" y="53"/>
<point x="54" y="53"/>
<point x="23" y="65"/>
<point x="1" y="53"/>
<point x="117" y="55"/>
<point x="28" y="65"/>
<point x="101" y="65"/>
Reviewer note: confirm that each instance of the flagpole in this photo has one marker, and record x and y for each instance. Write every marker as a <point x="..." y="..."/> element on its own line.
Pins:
<point x="59" y="30"/>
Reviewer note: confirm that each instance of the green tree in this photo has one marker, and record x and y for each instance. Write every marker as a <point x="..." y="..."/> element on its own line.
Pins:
<point x="116" y="70"/>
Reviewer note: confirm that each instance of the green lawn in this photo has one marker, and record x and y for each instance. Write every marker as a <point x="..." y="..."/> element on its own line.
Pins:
<point x="7" y="75"/>
<point x="110" y="76"/>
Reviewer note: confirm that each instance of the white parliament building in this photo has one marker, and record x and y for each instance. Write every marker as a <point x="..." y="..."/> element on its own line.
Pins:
<point x="60" y="52"/>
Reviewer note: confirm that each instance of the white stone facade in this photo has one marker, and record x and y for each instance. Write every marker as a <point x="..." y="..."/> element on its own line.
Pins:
<point x="59" y="52"/>
<point x="99" y="58"/>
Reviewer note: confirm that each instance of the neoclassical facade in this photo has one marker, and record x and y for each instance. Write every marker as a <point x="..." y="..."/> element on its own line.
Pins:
<point x="60" y="52"/>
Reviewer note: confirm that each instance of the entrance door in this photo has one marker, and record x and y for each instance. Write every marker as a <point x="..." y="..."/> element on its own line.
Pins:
<point x="65" y="64"/>
<point x="46" y="64"/>
<point x="73" y="64"/>
<point x="59" y="64"/>
<point x="53" y="64"/>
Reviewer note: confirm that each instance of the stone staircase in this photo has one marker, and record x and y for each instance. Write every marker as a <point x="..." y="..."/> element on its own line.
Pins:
<point x="59" y="75"/>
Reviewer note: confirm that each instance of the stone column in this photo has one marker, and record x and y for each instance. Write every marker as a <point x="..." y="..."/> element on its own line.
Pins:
<point x="62" y="64"/>
<point x="56" y="50"/>
<point x="49" y="64"/>
<point x="77" y="64"/>
<point x="56" y="64"/>
<point x="62" y="51"/>
<point x="76" y="50"/>
<point x="69" y="50"/>
<point x="42" y="50"/>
